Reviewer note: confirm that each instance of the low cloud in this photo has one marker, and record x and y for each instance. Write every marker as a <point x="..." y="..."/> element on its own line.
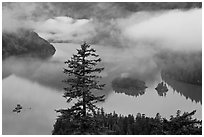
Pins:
<point x="15" y="16"/>
<point x="130" y="41"/>
<point x="127" y="27"/>
<point x="24" y="15"/>
<point x="127" y="41"/>
<point x="175" y="30"/>
<point x="66" y="29"/>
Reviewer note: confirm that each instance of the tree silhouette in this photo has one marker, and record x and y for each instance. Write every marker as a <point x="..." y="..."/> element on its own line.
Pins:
<point x="82" y="80"/>
<point x="84" y="117"/>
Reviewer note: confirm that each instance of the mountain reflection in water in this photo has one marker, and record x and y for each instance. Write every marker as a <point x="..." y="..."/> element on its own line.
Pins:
<point x="133" y="87"/>
<point x="193" y="92"/>
<point x="38" y="84"/>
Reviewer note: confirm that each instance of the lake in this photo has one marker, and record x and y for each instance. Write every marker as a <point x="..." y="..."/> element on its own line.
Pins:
<point x="36" y="84"/>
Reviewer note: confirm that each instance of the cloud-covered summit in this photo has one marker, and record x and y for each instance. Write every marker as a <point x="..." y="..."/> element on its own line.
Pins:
<point x="110" y="24"/>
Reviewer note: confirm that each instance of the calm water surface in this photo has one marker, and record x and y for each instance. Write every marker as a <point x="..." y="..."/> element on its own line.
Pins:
<point x="37" y="84"/>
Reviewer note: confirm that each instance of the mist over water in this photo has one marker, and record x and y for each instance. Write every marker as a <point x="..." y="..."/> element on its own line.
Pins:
<point x="136" y="37"/>
<point x="37" y="84"/>
<point x="129" y="46"/>
<point x="42" y="101"/>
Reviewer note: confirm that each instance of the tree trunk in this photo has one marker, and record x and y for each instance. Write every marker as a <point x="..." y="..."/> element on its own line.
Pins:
<point x="84" y="104"/>
<point x="84" y="94"/>
<point x="84" y="98"/>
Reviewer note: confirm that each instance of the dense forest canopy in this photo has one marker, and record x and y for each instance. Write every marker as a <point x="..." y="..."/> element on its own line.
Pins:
<point x="185" y="67"/>
<point x="25" y="43"/>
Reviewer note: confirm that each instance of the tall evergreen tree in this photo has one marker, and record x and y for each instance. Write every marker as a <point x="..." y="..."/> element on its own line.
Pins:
<point x="82" y="81"/>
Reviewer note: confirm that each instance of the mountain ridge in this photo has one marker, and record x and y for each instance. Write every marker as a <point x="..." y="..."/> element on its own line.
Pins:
<point x="25" y="43"/>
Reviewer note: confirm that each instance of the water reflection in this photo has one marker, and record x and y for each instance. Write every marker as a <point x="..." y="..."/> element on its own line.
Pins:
<point x="130" y="92"/>
<point x="161" y="89"/>
<point x="45" y="72"/>
<point x="193" y="92"/>
<point x="163" y="94"/>
<point x="129" y="86"/>
<point x="37" y="84"/>
<point x="42" y="100"/>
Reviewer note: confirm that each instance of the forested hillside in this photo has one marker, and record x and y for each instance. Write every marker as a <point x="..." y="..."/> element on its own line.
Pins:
<point x="25" y="42"/>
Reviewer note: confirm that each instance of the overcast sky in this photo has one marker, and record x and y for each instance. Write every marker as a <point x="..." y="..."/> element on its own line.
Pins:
<point x="128" y="35"/>
<point x="109" y="24"/>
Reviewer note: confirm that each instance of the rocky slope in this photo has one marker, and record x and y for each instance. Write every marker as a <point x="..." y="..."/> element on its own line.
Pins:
<point x="25" y="43"/>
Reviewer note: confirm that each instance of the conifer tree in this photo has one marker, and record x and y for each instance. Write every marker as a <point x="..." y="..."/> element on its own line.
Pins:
<point x="82" y="81"/>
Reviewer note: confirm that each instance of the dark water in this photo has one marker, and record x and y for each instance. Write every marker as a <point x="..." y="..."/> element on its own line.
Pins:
<point x="37" y="84"/>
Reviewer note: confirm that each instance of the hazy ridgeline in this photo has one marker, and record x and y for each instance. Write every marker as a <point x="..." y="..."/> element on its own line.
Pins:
<point x="139" y="35"/>
<point x="134" y="40"/>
